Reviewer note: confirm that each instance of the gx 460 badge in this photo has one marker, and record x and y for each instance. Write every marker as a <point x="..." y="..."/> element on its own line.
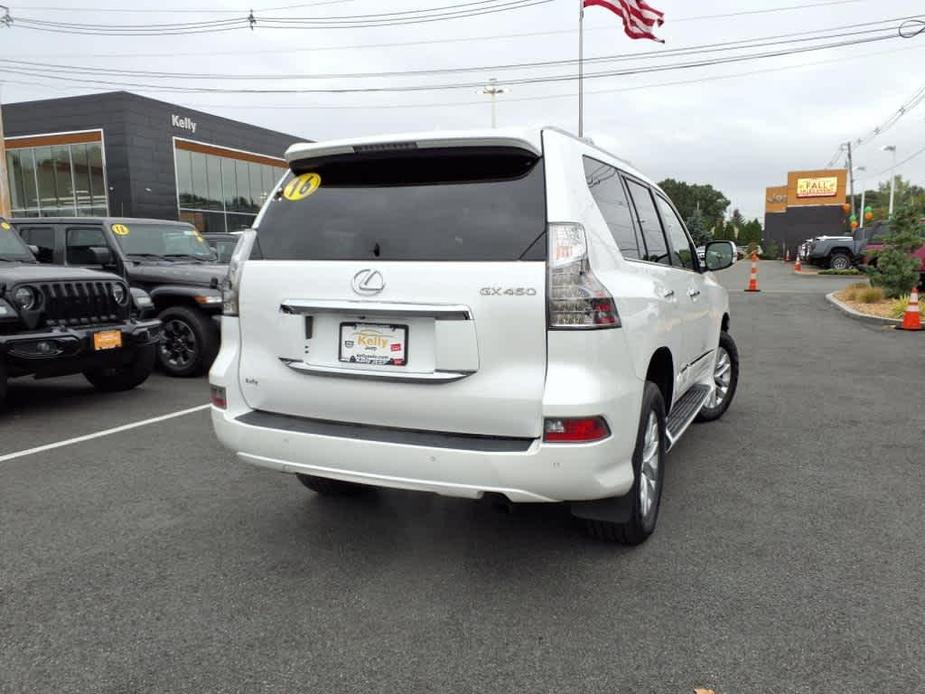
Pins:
<point x="507" y="291"/>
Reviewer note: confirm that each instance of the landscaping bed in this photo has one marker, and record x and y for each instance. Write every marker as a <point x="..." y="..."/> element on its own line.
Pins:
<point x="871" y="301"/>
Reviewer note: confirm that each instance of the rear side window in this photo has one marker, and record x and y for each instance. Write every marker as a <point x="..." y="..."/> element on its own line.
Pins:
<point x="656" y="247"/>
<point x="454" y="204"/>
<point x="44" y="239"/>
<point x="607" y="189"/>
<point x="682" y="252"/>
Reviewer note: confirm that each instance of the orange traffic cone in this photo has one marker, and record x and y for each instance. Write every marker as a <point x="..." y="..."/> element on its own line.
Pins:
<point x="798" y="267"/>
<point x="753" y="277"/>
<point x="912" y="319"/>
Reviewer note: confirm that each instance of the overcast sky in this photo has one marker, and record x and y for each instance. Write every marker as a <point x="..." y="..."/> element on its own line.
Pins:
<point x="739" y="132"/>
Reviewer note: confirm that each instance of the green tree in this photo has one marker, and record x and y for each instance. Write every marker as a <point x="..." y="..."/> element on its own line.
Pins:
<point x="896" y="269"/>
<point x="737" y="222"/>
<point x="697" y="225"/>
<point x="687" y="197"/>
<point x="750" y="233"/>
<point x="720" y="232"/>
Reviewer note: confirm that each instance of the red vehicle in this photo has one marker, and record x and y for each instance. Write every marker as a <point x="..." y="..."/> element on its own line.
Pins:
<point x="877" y="234"/>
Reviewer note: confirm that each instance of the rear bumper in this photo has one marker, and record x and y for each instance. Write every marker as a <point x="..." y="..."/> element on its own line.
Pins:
<point x="537" y="473"/>
<point x="450" y="464"/>
<point x="70" y="350"/>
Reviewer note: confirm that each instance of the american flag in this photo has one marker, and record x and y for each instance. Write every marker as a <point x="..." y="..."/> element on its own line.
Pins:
<point x="639" y="19"/>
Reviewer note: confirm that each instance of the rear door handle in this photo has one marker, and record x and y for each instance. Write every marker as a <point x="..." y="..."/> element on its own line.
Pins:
<point x="693" y="293"/>
<point x="668" y="293"/>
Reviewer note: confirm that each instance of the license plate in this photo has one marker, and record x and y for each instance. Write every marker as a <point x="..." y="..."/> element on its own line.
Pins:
<point x="107" y="339"/>
<point x="367" y="343"/>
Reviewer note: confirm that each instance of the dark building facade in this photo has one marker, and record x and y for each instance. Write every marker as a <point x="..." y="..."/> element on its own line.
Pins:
<point x="809" y="205"/>
<point x="121" y="154"/>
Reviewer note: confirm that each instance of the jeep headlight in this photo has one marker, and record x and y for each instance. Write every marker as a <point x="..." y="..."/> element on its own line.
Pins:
<point x="119" y="293"/>
<point x="25" y="298"/>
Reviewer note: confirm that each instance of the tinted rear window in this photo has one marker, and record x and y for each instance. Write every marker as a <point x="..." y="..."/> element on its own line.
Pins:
<point x="459" y="204"/>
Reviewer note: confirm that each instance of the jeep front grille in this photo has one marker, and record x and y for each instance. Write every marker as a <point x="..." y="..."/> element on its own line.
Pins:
<point x="81" y="303"/>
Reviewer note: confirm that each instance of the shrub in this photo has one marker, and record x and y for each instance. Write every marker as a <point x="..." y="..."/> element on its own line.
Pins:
<point x="850" y="293"/>
<point x="898" y="309"/>
<point x="897" y="270"/>
<point x="871" y="295"/>
<point x="771" y="250"/>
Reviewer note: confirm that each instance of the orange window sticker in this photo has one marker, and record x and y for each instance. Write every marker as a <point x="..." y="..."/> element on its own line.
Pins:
<point x="302" y="186"/>
<point x="120" y="229"/>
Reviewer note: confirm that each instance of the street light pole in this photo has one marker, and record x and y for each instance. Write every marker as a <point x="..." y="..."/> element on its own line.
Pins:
<point x="892" y="148"/>
<point x="493" y="90"/>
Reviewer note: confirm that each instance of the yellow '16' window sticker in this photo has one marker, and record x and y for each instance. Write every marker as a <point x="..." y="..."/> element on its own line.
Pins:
<point x="302" y="186"/>
<point x="120" y="229"/>
<point x="5" y="226"/>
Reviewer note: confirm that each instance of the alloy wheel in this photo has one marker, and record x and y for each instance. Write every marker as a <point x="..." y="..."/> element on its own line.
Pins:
<point x="722" y="377"/>
<point x="648" y="470"/>
<point x="179" y="346"/>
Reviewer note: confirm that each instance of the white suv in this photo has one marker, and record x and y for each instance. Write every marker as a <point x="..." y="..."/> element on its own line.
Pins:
<point x="513" y="313"/>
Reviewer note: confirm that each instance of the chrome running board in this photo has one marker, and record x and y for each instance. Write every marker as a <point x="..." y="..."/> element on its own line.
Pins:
<point x="684" y="411"/>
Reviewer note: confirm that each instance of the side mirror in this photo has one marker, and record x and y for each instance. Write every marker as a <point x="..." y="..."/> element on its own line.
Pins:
<point x="718" y="255"/>
<point x="34" y="249"/>
<point x="102" y="255"/>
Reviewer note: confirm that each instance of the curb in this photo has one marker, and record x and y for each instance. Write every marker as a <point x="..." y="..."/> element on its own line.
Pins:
<point x="851" y="313"/>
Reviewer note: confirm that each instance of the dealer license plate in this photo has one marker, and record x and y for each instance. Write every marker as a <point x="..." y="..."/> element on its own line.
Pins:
<point x="367" y="343"/>
<point x="107" y="339"/>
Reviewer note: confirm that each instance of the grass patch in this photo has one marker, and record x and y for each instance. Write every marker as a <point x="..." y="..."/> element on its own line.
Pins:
<point x="871" y="295"/>
<point x="851" y="272"/>
<point x="850" y="293"/>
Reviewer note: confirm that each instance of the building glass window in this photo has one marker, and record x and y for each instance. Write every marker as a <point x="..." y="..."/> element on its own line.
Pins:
<point x="219" y="193"/>
<point x="63" y="180"/>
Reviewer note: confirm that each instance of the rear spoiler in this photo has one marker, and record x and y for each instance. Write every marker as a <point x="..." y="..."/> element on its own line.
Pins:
<point x="313" y="150"/>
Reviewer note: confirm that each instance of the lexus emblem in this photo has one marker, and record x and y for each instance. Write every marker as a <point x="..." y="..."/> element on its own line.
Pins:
<point x="368" y="282"/>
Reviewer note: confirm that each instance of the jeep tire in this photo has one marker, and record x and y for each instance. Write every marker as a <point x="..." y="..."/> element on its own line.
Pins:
<point x="725" y="380"/>
<point x="119" y="378"/>
<point x="649" y="458"/>
<point x="3" y="379"/>
<point x="189" y="342"/>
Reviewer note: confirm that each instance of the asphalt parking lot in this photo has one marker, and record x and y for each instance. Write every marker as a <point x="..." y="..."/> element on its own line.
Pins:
<point x="788" y="558"/>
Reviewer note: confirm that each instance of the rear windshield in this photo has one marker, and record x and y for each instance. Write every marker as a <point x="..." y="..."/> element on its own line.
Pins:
<point x="450" y="204"/>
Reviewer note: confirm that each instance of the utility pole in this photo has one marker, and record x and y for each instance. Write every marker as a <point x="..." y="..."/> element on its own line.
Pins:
<point x="581" y="67"/>
<point x="851" y="176"/>
<point x="892" y="148"/>
<point x="863" y="198"/>
<point x="493" y="90"/>
<point x="4" y="177"/>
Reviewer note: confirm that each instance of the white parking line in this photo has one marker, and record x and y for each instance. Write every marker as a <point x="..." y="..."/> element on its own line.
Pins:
<point x="99" y="434"/>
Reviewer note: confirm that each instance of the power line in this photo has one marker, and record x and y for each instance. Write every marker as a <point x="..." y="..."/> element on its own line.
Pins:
<point x="71" y="73"/>
<point x="903" y="162"/>
<point x="744" y="44"/>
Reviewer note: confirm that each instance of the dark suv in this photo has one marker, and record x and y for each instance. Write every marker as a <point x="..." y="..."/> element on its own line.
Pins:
<point x="169" y="260"/>
<point x="58" y="321"/>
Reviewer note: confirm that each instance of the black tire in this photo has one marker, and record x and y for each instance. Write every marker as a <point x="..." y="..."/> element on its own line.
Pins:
<point x="840" y="261"/>
<point x="189" y="342"/>
<point x="3" y="379"/>
<point x="118" y="378"/>
<point x="329" y="487"/>
<point x="642" y="522"/>
<point x="712" y="410"/>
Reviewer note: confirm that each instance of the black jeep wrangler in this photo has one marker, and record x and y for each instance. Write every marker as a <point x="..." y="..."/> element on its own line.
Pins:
<point x="169" y="260"/>
<point x="58" y="321"/>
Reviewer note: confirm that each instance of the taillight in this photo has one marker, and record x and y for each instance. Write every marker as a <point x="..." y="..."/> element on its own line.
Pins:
<point x="575" y="429"/>
<point x="576" y="299"/>
<point x="219" y="398"/>
<point x="232" y="284"/>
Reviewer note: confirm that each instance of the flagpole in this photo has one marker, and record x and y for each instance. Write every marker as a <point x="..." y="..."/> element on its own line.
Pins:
<point x="581" y="58"/>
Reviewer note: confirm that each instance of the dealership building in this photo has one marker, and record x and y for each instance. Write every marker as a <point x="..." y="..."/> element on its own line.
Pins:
<point x="120" y="154"/>
<point x="809" y="205"/>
